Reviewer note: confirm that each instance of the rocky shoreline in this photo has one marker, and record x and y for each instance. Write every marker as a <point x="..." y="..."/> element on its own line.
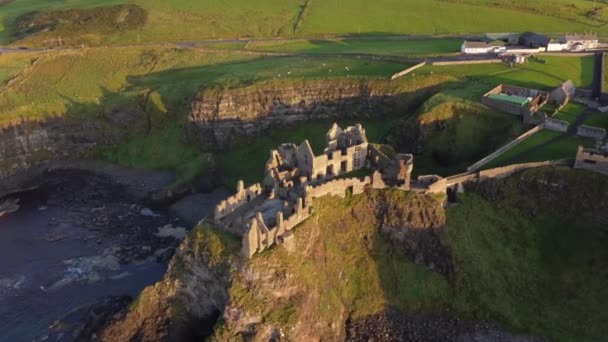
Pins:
<point x="92" y="224"/>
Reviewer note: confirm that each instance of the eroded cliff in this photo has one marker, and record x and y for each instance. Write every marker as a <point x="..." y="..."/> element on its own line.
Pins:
<point x="219" y="117"/>
<point x="29" y="145"/>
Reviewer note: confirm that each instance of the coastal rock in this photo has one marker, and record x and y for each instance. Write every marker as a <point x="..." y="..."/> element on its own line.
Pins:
<point x="9" y="206"/>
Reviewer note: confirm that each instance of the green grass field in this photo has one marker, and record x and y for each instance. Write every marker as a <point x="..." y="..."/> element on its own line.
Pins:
<point x="570" y="112"/>
<point x="182" y="20"/>
<point x="390" y="47"/>
<point x="598" y="120"/>
<point x="539" y="147"/>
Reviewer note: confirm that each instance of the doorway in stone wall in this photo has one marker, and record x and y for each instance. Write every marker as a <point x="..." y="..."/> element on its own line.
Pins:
<point x="330" y="171"/>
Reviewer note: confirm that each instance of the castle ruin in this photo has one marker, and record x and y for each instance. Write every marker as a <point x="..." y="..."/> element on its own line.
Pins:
<point x="265" y="214"/>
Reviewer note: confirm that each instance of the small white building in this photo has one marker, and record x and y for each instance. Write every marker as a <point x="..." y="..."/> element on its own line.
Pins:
<point x="556" y="46"/>
<point x="478" y="48"/>
<point x="579" y="42"/>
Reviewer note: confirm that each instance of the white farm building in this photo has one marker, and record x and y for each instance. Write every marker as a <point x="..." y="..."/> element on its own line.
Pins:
<point x="478" y="48"/>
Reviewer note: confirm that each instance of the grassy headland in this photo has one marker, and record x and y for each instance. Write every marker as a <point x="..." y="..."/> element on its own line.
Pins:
<point x="515" y="253"/>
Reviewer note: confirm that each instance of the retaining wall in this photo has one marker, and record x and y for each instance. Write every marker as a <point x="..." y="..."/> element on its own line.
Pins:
<point x="591" y="132"/>
<point x="584" y="93"/>
<point x="556" y="125"/>
<point x="475" y="61"/>
<point x="504" y="148"/>
<point x="408" y="70"/>
<point x="505" y="171"/>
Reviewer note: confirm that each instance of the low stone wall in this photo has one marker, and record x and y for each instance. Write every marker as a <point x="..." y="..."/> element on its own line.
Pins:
<point x="338" y="187"/>
<point x="556" y="125"/>
<point x="242" y="196"/>
<point x="504" y="148"/>
<point x="474" y="61"/>
<point x="460" y="178"/>
<point x="408" y="70"/>
<point x="505" y="171"/>
<point x="584" y="93"/>
<point x="591" y="132"/>
<point x="431" y="184"/>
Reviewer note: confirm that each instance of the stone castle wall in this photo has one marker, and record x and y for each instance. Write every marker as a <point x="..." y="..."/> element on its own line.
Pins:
<point x="243" y="195"/>
<point x="338" y="187"/>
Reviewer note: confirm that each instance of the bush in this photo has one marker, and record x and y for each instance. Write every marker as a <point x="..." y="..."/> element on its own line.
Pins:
<point x="90" y="20"/>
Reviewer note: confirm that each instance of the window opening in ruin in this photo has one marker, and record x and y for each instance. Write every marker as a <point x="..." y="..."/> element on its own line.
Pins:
<point x="343" y="166"/>
<point x="248" y="198"/>
<point x="589" y="161"/>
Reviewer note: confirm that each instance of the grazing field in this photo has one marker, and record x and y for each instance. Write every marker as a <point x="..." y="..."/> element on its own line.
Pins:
<point x="536" y="75"/>
<point x="111" y="77"/>
<point x="180" y="20"/>
<point x="448" y="17"/>
<point x="390" y="47"/>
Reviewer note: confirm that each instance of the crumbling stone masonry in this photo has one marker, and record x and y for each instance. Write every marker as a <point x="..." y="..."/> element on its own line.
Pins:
<point x="241" y="197"/>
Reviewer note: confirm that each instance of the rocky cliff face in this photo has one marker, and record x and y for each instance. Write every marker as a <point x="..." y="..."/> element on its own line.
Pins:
<point x="28" y="145"/>
<point x="186" y="303"/>
<point x="219" y="117"/>
<point x="335" y="270"/>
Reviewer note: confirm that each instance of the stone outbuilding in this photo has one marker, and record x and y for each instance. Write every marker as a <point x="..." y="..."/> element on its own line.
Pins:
<point x="533" y="40"/>
<point x="561" y="95"/>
